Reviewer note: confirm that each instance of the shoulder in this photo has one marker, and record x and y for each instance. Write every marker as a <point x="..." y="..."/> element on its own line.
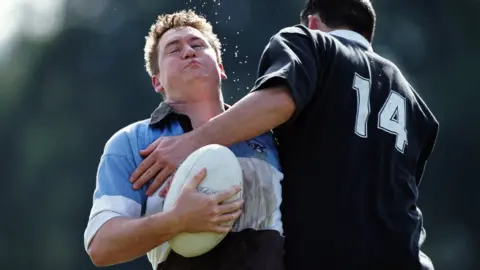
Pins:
<point x="122" y="141"/>
<point x="296" y="31"/>
<point x="300" y="33"/>
<point x="298" y="43"/>
<point x="387" y="65"/>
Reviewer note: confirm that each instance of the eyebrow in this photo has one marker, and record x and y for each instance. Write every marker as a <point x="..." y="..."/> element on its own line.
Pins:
<point x="176" y="41"/>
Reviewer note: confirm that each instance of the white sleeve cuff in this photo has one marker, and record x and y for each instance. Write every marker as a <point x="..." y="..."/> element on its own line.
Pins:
<point x="95" y="224"/>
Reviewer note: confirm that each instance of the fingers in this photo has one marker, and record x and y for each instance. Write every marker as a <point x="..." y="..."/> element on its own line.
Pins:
<point x="147" y="151"/>
<point x="225" y="195"/>
<point x="230" y="217"/>
<point x="165" y="189"/>
<point x="141" y="169"/>
<point x="163" y="192"/>
<point x="196" y="180"/>
<point x="150" y="173"/>
<point x="225" y="222"/>
<point x="159" y="180"/>
<point x="230" y="207"/>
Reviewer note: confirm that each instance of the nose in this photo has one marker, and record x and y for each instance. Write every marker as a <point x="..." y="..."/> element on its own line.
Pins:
<point x="189" y="52"/>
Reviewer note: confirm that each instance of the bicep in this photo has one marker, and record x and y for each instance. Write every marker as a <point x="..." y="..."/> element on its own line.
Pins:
<point x="114" y="195"/>
<point x="113" y="182"/>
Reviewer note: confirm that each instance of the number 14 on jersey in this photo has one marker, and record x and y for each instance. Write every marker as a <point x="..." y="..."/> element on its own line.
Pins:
<point x="392" y="116"/>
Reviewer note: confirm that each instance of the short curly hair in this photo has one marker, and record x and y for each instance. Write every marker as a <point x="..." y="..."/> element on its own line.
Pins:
<point x="165" y="22"/>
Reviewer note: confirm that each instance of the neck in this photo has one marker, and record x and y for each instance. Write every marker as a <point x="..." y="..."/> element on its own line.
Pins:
<point x="199" y="112"/>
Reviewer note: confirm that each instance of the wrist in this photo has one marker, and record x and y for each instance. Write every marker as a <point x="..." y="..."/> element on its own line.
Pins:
<point x="178" y="220"/>
<point x="197" y="138"/>
<point x="169" y="220"/>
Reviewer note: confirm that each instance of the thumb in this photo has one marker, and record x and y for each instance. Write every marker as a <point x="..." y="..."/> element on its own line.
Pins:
<point x="147" y="151"/>
<point x="196" y="180"/>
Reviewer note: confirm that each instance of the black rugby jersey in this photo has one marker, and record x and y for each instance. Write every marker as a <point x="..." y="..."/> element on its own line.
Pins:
<point x="353" y="153"/>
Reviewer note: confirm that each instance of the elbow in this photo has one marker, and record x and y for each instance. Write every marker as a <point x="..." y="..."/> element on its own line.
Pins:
<point x="98" y="255"/>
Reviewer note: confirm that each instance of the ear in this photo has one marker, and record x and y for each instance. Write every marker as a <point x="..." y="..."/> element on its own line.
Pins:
<point x="157" y="86"/>
<point x="223" y="75"/>
<point x="314" y="22"/>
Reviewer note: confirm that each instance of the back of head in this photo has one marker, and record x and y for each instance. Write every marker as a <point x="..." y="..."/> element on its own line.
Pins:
<point x="356" y="15"/>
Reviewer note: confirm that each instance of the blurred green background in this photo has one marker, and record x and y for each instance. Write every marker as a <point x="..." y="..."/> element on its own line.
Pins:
<point x="71" y="74"/>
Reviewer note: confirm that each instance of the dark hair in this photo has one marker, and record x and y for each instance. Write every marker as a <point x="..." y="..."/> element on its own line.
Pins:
<point x="357" y="15"/>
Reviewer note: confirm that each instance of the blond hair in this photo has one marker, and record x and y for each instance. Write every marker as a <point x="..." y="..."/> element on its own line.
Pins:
<point x="178" y="19"/>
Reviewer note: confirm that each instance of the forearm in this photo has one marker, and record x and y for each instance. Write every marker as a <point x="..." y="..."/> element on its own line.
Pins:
<point x="124" y="239"/>
<point x="256" y="113"/>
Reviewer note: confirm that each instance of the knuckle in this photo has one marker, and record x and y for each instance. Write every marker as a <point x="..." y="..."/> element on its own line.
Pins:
<point x="211" y="202"/>
<point x="213" y="211"/>
<point x="211" y="216"/>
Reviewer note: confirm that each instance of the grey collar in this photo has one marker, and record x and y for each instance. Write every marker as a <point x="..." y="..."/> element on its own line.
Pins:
<point x="353" y="36"/>
<point x="160" y="113"/>
<point x="163" y="110"/>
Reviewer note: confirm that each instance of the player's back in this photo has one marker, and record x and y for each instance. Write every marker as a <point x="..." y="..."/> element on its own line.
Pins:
<point x="350" y="188"/>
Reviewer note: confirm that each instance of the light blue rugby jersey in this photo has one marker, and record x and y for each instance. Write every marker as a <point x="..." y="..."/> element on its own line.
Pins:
<point x="114" y="195"/>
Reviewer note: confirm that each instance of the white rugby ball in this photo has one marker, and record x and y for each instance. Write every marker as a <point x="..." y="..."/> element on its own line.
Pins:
<point x="223" y="172"/>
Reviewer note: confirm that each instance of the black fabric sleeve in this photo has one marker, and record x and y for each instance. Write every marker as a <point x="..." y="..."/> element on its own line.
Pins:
<point x="432" y="128"/>
<point x="292" y="58"/>
<point x="425" y="154"/>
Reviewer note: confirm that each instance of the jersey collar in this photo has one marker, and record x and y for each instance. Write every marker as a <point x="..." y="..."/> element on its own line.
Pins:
<point x="161" y="113"/>
<point x="353" y="36"/>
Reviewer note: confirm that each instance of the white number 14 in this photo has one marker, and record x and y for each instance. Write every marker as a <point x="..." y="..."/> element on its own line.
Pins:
<point x="391" y="118"/>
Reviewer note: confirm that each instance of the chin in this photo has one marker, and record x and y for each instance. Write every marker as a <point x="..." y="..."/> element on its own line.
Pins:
<point x="200" y="77"/>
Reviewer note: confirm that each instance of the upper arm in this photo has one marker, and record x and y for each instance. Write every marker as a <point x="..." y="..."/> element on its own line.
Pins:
<point x="291" y="59"/>
<point x="426" y="151"/>
<point x="113" y="182"/>
<point x="431" y="128"/>
<point x="114" y="195"/>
